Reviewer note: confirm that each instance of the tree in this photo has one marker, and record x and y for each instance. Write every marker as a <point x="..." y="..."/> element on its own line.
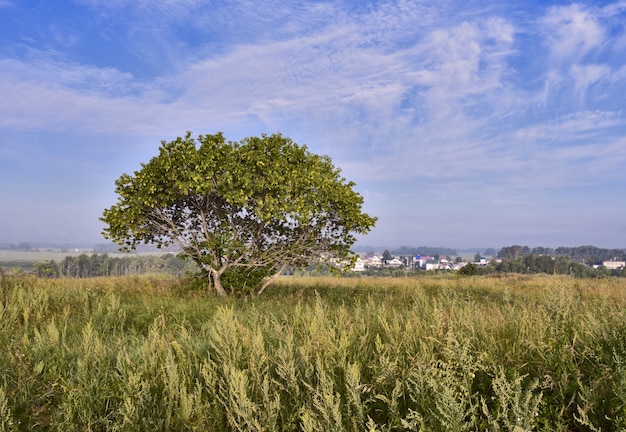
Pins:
<point x="387" y="256"/>
<point x="242" y="211"/>
<point x="469" y="269"/>
<point x="46" y="269"/>
<point x="511" y="252"/>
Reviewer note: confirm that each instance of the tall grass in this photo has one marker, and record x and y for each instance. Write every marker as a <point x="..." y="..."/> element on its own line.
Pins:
<point x="430" y="354"/>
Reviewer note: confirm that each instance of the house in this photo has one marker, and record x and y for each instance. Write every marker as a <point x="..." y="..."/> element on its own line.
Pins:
<point x="359" y="265"/>
<point x="459" y="265"/>
<point x="394" y="263"/>
<point x="421" y="260"/>
<point x="614" y="265"/>
<point x="438" y="264"/>
<point x="373" y="261"/>
<point x="431" y="265"/>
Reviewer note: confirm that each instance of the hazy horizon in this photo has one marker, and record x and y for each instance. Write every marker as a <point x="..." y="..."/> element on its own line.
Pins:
<point x="357" y="247"/>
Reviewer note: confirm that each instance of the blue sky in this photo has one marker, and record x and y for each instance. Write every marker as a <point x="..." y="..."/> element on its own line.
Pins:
<point x="463" y="123"/>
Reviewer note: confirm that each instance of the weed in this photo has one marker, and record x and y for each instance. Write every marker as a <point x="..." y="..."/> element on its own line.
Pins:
<point x="436" y="354"/>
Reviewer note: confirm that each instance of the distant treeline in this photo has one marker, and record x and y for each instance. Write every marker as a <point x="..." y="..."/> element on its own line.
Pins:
<point x="21" y="247"/>
<point x="535" y="264"/>
<point x="423" y="250"/>
<point x="83" y="266"/>
<point x="590" y="255"/>
<point x="575" y="261"/>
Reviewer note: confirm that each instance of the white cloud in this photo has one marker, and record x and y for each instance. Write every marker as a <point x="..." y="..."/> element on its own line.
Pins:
<point x="572" y="127"/>
<point x="572" y="32"/>
<point x="499" y="29"/>
<point x="48" y="94"/>
<point x="396" y="94"/>
<point x="613" y="9"/>
<point x="171" y="8"/>
<point x="345" y="72"/>
<point x="588" y="75"/>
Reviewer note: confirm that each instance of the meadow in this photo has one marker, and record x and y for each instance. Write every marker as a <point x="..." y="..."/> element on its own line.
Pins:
<point x="27" y="260"/>
<point x="437" y="353"/>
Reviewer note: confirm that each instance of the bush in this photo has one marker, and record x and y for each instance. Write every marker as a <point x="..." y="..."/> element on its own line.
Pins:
<point x="469" y="269"/>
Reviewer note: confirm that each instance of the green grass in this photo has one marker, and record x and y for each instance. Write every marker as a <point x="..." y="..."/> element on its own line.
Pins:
<point x="314" y="354"/>
<point x="25" y="260"/>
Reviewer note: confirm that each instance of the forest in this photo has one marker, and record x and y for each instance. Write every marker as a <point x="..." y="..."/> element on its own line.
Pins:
<point x="96" y="265"/>
<point x="590" y="255"/>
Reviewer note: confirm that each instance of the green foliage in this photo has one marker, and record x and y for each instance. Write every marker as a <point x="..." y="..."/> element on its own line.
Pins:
<point x="469" y="269"/>
<point x="47" y="269"/>
<point x="387" y="256"/>
<point x="532" y="264"/>
<point x="6" y="418"/>
<point x="264" y="202"/>
<point x="514" y="405"/>
<point x="3" y="287"/>
<point x="84" y="266"/>
<point x="437" y="354"/>
<point x="244" y="280"/>
<point x="582" y="254"/>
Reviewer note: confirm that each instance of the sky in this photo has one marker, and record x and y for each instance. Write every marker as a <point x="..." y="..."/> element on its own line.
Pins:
<point x="463" y="123"/>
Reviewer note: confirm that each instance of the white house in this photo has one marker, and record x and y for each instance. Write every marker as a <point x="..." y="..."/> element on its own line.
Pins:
<point x="374" y="261"/>
<point x="614" y="265"/>
<point x="430" y="265"/>
<point x="359" y="265"/>
<point x="394" y="263"/>
<point x="421" y="260"/>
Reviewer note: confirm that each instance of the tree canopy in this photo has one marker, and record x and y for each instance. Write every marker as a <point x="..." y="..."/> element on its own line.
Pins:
<point x="242" y="211"/>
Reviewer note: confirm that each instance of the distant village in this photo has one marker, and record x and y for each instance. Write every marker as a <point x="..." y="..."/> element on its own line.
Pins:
<point x="105" y="260"/>
<point x="423" y="262"/>
<point x="426" y="262"/>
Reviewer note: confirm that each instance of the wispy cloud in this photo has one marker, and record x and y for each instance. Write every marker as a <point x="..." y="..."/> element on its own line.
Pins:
<point x="475" y="106"/>
<point x="572" y="32"/>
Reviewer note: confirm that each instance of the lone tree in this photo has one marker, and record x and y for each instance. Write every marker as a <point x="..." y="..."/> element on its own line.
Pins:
<point x="242" y="211"/>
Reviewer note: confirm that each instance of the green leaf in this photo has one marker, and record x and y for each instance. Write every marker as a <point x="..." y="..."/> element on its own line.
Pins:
<point x="253" y="205"/>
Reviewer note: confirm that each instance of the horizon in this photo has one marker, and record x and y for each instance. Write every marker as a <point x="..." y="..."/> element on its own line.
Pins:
<point x="357" y="247"/>
<point x="493" y="123"/>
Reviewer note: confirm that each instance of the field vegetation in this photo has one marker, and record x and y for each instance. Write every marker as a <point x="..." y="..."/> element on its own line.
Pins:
<point x="81" y="264"/>
<point x="439" y="353"/>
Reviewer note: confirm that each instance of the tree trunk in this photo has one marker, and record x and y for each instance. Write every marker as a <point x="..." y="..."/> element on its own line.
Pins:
<point x="271" y="279"/>
<point x="215" y="276"/>
<point x="219" y="288"/>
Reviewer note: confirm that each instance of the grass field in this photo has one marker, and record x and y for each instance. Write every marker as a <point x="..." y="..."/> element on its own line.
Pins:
<point x="24" y="260"/>
<point x="511" y="353"/>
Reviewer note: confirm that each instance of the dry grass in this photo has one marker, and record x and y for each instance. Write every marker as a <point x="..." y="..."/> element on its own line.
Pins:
<point x="433" y="353"/>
